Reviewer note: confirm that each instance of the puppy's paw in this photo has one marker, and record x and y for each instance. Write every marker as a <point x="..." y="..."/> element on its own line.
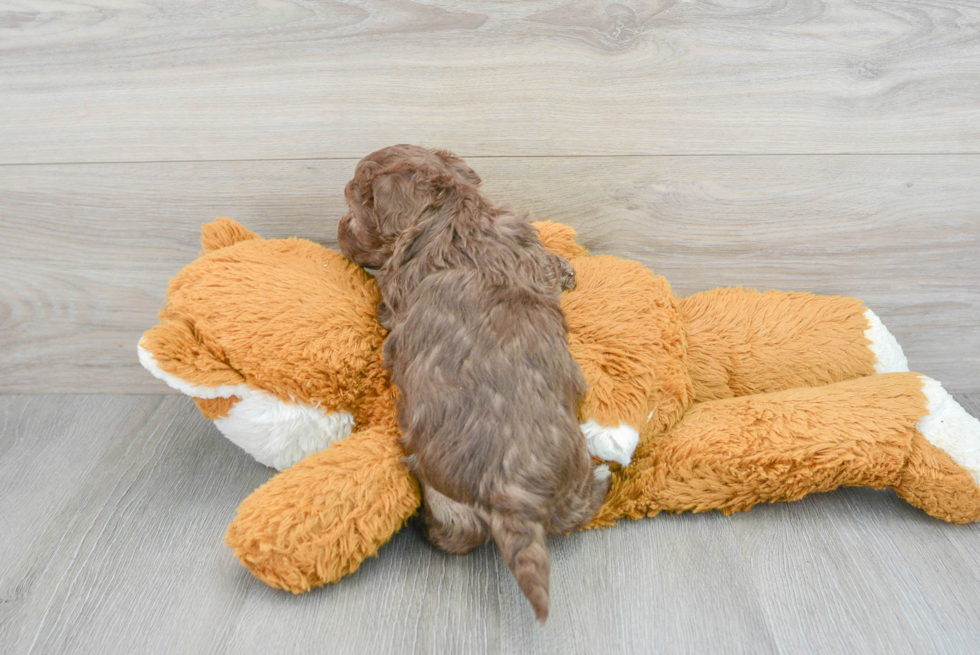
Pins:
<point x="385" y="317"/>
<point x="566" y="274"/>
<point x="568" y="281"/>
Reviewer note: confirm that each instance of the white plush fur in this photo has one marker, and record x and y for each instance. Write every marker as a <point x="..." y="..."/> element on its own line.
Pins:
<point x="949" y="427"/>
<point x="891" y="359"/>
<point x="274" y="432"/>
<point x="613" y="444"/>
<point x="280" y="434"/>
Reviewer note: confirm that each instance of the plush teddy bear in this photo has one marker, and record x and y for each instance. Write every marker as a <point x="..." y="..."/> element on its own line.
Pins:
<point x="722" y="400"/>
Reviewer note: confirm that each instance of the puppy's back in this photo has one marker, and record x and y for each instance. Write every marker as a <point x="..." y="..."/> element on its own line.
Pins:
<point x="488" y="408"/>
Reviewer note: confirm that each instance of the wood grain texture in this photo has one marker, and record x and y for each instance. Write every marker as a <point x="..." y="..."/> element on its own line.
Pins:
<point x="152" y="80"/>
<point x="130" y="560"/>
<point x="860" y="558"/>
<point x="114" y="508"/>
<point x="46" y="452"/>
<point x="87" y="249"/>
<point x="668" y="585"/>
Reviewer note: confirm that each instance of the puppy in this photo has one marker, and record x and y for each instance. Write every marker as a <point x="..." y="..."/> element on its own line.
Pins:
<point x="477" y="347"/>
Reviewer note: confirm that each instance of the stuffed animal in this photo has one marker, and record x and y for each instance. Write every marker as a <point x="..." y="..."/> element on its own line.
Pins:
<point x="718" y="401"/>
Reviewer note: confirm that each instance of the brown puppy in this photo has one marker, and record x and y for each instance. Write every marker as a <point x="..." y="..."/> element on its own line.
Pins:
<point x="478" y="349"/>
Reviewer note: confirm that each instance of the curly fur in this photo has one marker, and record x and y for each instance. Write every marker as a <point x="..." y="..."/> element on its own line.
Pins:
<point x="478" y="349"/>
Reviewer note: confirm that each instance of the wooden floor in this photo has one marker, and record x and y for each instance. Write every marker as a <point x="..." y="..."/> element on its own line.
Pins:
<point x="830" y="146"/>
<point x="114" y="509"/>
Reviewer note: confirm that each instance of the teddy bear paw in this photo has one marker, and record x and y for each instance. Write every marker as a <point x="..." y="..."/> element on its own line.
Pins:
<point x="613" y="444"/>
<point x="951" y="428"/>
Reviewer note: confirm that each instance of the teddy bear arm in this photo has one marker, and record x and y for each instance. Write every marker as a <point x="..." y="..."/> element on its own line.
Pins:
<point x="559" y="239"/>
<point x="315" y="522"/>
<point x="873" y="431"/>
<point x="743" y="342"/>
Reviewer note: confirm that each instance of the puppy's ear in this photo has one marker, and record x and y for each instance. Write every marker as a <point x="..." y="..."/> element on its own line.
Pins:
<point x="459" y="167"/>
<point x="401" y="194"/>
<point x="396" y="192"/>
<point x="360" y="191"/>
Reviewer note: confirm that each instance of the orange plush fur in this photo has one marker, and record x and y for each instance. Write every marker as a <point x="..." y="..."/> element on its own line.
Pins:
<point x="737" y="397"/>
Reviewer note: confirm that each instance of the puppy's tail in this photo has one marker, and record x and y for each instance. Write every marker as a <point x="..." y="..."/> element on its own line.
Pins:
<point x="522" y="542"/>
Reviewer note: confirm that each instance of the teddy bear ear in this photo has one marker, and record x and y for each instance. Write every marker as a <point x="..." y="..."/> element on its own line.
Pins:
<point x="172" y="352"/>
<point x="224" y="232"/>
<point x="560" y="239"/>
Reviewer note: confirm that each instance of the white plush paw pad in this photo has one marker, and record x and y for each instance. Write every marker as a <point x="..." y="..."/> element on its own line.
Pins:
<point x="883" y="344"/>
<point x="611" y="444"/>
<point x="601" y="472"/>
<point x="280" y="434"/>
<point x="949" y="427"/>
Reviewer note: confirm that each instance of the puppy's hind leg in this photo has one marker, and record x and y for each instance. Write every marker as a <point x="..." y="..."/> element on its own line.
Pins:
<point x="602" y="478"/>
<point x="581" y="504"/>
<point x="451" y="525"/>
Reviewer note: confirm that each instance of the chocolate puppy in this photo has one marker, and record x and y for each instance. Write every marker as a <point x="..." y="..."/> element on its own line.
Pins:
<point x="478" y="349"/>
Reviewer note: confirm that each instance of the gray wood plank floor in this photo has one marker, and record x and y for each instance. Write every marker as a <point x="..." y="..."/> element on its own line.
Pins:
<point x="830" y="146"/>
<point x="114" y="508"/>
<point x="87" y="249"/>
<point x="152" y="80"/>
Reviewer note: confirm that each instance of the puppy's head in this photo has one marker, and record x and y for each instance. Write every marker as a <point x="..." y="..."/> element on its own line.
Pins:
<point x="391" y="190"/>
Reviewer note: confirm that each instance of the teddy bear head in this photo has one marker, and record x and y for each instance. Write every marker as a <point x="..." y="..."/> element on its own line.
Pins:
<point x="276" y="340"/>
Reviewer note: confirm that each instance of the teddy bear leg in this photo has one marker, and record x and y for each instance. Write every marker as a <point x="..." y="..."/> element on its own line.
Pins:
<point x="743" y="342"/>
<point x="942" y="475"/>
<point x="889" y="356"/>
<point x="873" y="431"/>
<point x="317" y="521"/>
